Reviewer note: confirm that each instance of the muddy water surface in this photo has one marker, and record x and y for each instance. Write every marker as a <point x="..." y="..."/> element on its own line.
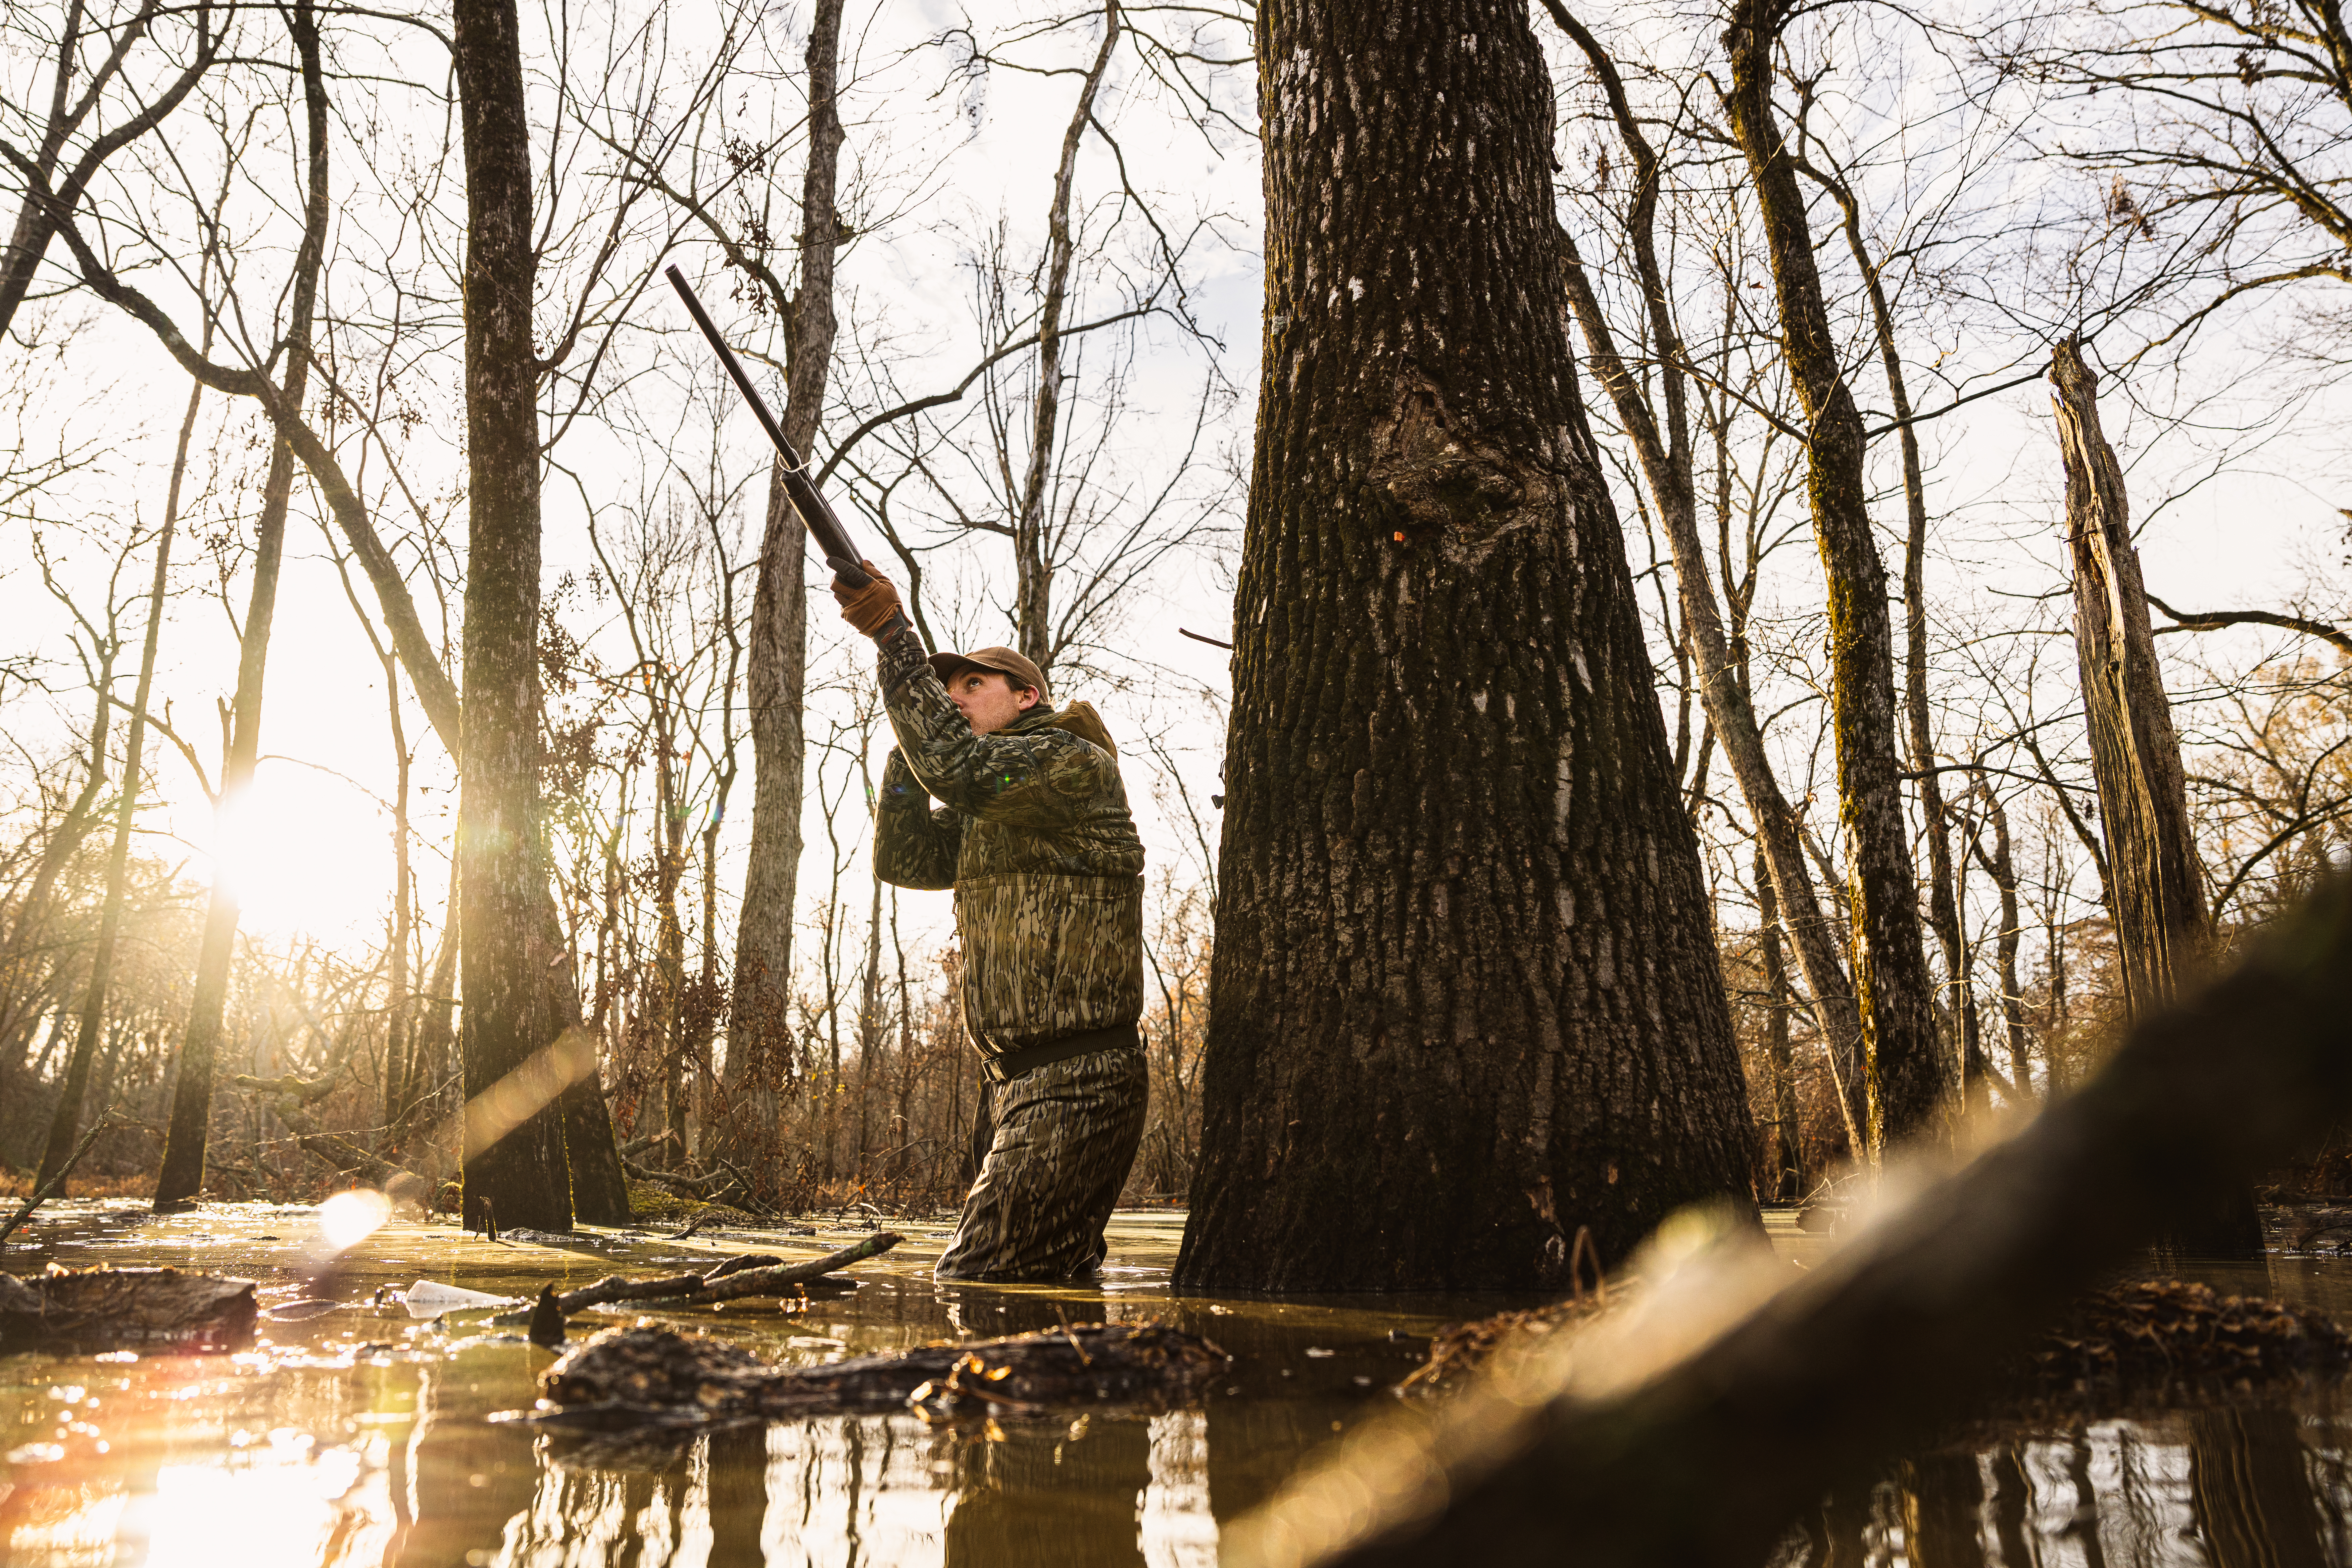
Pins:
<point x="360" y="1434"/>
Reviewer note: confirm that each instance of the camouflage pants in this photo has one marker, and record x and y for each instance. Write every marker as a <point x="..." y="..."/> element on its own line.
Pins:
<point x="1065" y="1135"/>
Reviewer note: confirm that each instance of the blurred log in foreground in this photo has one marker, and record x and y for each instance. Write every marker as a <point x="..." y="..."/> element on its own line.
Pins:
<point x="1709" y="1456"/>
<point x="159" y="1310"/>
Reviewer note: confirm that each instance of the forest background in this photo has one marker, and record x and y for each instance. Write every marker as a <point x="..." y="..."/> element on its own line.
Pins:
<point x="1046" y="299"/>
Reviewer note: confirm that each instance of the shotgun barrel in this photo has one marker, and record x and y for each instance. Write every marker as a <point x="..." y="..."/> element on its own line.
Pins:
<point x="832" y="539"/>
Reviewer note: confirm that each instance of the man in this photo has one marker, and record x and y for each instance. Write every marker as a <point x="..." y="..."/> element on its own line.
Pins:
<point x="1035" y="836"/>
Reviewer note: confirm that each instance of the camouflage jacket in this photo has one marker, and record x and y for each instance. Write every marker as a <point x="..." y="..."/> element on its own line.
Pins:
<point x="1035" y="836"/>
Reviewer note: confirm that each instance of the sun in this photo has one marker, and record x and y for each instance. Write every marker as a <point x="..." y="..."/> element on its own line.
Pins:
<point x="306" y="852"/>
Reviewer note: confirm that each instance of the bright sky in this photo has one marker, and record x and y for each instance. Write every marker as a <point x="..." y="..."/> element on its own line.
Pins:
<point x="310" y="847"/>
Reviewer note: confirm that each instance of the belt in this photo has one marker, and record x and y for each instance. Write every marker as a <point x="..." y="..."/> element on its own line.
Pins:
<point x="1012" y="1064"/>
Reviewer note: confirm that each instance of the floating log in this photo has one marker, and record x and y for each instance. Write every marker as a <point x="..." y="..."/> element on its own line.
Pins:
<point x="96" y="1310"/>
<point x="640" y="1376"/>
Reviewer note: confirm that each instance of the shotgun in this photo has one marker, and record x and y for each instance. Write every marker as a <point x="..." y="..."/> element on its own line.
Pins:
<point x="832" y="539"/>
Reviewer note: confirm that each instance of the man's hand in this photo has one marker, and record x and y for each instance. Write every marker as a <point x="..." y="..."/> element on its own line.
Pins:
<point x="871" y="609"/>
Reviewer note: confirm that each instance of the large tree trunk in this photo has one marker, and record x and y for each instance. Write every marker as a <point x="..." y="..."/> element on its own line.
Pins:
<point x="1663" y="448"/>
<point x="503" y="940"/>
<point x="65" y="1122"/>
<point x="1907" y="1079"/>
<point x="758" y="1020"/>
<point x="2156" y="884"/>
<point x="1465" y="995"/>
<point x="183" y="1174"/>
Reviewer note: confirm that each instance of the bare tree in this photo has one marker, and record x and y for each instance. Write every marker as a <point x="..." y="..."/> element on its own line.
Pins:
<point x="65" y="1124"/>
<point x="1907" y="1079"/>
<point x="182" y="1172"/>
<point x="1032" y="462"/>
<point x="1660" y="432"/>
<point x="99" y="103"/>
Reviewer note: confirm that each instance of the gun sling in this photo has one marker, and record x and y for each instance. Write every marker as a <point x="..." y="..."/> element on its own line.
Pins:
<point x="1012" y="1064"/>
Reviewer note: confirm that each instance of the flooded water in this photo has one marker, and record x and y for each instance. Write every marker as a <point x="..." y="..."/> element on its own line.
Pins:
<point x="360" y="1435"/>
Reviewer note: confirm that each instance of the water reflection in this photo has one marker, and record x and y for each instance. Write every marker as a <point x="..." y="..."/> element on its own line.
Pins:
<point x="2249" y="1485"/>
<point x="359" y="1439"/>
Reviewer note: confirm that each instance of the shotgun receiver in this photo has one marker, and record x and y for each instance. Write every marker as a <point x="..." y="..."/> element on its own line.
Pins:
<point x="832" y="539"/>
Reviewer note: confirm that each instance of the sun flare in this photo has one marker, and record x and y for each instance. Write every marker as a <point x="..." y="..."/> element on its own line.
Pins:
<point x="305" y="853"/>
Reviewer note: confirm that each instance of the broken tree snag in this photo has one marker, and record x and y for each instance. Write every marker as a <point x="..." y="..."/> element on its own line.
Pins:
<point x="2155" y="884"/>
<point x="97" y="1310"/>
<point x="1708" y="1458"/>
<point x="637" y="1375"/>
<point x="1466" y="993"/>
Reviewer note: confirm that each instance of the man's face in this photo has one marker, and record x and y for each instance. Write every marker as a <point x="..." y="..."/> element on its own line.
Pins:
<point x="987" y="698"/>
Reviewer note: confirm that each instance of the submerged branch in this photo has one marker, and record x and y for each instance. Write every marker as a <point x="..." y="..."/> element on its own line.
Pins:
<point x="726" y="1282"/>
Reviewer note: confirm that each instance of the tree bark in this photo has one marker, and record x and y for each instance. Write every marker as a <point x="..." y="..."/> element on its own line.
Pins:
<point x="1908" y="1081"/>
<point x="183" y="1174"/>
<point x="759" y="1022"/>
<point x="2156" y="883"/>
<point x="2159" y="913"/>
<point x="66" y="1120"/>
<point x="502" y="944"/>
<point x="1669" y="468"/>
<point x="1466" y="996"/>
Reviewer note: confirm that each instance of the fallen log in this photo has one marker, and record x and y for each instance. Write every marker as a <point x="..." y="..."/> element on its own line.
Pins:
<point x="1709" y="1456"/>
<point x="2151" y="1338"/>
<point x="733" y="1278"/>
<point x="698" y="1188"/>
<point x="636" y="1377"/>
<point x="2165" y="1335"/>
<point x="56" y="1184"/>
<point x="97" y="1310"/>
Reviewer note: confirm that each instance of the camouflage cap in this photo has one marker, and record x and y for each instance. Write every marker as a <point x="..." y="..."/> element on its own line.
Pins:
<point x="1004" y="661"/>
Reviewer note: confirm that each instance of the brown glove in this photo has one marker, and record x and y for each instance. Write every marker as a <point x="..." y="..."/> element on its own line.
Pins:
<point x="871" y="608"/>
